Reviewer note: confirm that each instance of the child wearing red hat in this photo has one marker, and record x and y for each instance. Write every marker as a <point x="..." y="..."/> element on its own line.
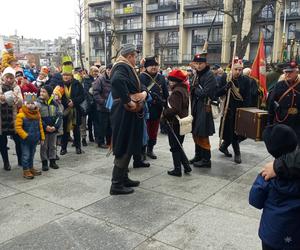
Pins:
<point x="178" y="105"/>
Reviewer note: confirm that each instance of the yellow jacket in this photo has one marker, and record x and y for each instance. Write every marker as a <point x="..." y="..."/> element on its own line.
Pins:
<point x="25" y="127"/>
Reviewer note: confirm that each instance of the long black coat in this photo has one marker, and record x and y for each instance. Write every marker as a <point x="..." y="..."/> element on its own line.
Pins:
<point x="280" y="114"/>
<point x="127" y="127"/>
<point x="77" y="97"/>
<point x="159" y="94"/>
<point x="243" y="84"/>
<point x="203" y="89"/>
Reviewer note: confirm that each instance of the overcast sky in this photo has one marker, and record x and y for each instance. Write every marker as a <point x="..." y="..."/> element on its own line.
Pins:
<point x="45" y="19"/>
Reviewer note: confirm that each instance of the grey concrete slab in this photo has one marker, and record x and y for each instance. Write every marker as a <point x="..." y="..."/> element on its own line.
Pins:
<point x="144" y="212"/>
<point x="14" y="178"/>
<point x="76" y="231"/>
<point x="22" y="212"/>
<point x="151" y="244"/>
<point x="192" y="187"/>
<point x="206" y="228"/>
<point x="7" y="191"/>
<point x="143" y="174"/>
<point x="79" y="191"/>
<point x="234" y="198"/>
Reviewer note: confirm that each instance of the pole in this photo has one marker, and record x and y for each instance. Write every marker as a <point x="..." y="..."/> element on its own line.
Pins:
<point x="76" y="59"/>
<point x="229" y="78"/>
<point x="105" y="48"/>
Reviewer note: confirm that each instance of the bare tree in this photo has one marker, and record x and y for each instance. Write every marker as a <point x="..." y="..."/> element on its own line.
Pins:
<point x="237" y="15"/>
<point x="163" y="42"/>
<point x="80" y="14"/>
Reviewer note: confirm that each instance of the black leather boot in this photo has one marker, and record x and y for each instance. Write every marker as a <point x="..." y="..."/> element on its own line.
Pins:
<point x="237" y="152"/>
<point x="117" y="182"/>
<point x="45" y="165"/>
<point x="138" y="162"/>
<point x="150" y="152"/>
<point x="128" y="182"/>
<point x="224" y="149"/>
<point x="197" y="156"/>
<point x="177" y="165"/>
<point x="53" y="164"/>
<point x="205" y="162"/>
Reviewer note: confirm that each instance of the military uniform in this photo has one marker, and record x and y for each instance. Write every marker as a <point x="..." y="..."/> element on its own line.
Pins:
<point x="284" y="105"/>
<point x="239" y="97"/>
<point x="202" y="92"/>
<point x="157" y="87"/>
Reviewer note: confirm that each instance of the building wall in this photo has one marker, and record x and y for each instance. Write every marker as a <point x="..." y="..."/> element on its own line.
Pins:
<point x="139" y="22"/>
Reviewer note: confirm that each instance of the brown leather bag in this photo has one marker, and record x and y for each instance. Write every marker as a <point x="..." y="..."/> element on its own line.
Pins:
<point x="139" y="104"/>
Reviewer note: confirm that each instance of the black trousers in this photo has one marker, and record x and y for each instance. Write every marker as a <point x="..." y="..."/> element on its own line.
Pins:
<point x="266" y="247"/>
<point x="174" y="146"/>
<point x="91" y="121"/>
<point x="3" y="147"/>
<point x="103" y="127"/>
<point x="65" y="136"/>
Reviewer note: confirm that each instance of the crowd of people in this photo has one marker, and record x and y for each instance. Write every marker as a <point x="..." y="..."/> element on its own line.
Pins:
<point x="121" y="107"/>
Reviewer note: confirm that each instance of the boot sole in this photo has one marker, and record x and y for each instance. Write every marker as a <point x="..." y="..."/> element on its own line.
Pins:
<point x="120" y="193"/>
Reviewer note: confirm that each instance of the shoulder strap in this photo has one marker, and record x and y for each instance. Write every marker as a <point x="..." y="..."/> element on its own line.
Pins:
<point x="288" y="90"/>
<point x="153" y="81"/>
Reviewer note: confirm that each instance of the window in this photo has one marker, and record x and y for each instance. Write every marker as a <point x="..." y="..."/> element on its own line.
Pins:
<point x="216" y="35"/>
<point x="160" y="20"/>
<point x="268" y="11"/>
<point x="267" y="30"/>
<point x="199" y="36"/>
<point x="293" y="7"/>
<point x="291" y="30"/>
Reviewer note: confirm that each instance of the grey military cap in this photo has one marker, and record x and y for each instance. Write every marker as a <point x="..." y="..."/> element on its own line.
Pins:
<point x="128" y="48"/>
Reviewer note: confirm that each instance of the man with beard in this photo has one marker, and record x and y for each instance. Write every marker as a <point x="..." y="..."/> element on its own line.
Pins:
<point x="202" y="91"/>
<point x="239" y="88"/>
<point x="127" y="118"/>
<point x="157" y="87"/>
<point x="284" y="100"/>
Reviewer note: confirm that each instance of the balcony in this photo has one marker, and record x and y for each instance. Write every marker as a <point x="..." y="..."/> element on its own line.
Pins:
<point x="205" y="20"/>
<point x="162" y="25"/>
<point x="128" y="11"/>
<point x="195" y="4"/>
<point x="100" y="14"/>
<point x="129" y="27"/>
<point x="292" y="14"/>
<point x="95" y="29"/>
<point x="137" y="43"/>
<point x="160" y="8"/>
<point x="97" y="58"/>
<point x="167" y="42"/>
<point x="268" y="38"/>
<point x="170" y="59"/>
<point x="213" y="40"/>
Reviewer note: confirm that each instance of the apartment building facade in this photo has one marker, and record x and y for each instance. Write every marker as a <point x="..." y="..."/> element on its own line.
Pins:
<point x="177" y="29"/>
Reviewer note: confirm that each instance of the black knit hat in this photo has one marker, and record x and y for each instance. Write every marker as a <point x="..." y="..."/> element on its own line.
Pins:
<point x="280" y="139"/>
<point x="150" y="61"/>
<point x="49" y="89"/>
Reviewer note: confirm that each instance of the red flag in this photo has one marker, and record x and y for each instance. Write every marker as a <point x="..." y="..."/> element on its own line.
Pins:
<point x="259" y="67"/>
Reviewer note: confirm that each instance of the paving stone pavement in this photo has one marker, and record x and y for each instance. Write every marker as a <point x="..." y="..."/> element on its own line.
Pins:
<point x="70" y="208"/>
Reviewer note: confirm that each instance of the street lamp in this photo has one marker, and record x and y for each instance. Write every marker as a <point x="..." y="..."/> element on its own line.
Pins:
<point x="105" y="30"/>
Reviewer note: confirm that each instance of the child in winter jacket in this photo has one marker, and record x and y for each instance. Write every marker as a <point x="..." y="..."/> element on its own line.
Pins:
<point x="30" y="128"/>
<point x="52" y="120"/>
<point x="279" y="198"/>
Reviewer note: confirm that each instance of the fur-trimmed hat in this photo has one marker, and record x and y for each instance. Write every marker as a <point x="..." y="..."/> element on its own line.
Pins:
<point x="150" y="61"/>
<point x="201" y="58"/>
<point x="280" y="139"/>
<point x="177" y="75"/>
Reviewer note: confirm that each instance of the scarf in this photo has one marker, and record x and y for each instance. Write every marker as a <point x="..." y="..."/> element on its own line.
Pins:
<point x="122" y="59"/>
<point x="31" y="114"/>
<point x="69" y="112"/>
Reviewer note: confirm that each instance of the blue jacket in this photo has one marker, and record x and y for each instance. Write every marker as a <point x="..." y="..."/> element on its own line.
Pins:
<point x="280" y="220"/>
<point x="50" y="113"/>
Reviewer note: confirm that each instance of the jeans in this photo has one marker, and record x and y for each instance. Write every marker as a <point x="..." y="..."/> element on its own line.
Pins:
<point x="28" y="151"/>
